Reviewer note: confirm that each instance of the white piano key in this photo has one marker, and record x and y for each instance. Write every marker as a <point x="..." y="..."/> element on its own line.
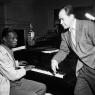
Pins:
<point x="47" y="72"/>
<point x="19" y="48"/>
<point x="50" y="51"/>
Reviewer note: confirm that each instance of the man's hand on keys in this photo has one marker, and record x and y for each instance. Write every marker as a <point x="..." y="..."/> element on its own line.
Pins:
<point x="29" y="67"/>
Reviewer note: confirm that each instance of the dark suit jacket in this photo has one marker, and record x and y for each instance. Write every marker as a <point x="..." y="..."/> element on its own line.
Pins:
<point x="85" y="44"/>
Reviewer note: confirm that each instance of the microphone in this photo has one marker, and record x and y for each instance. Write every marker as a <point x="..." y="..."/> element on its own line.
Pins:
<point x="31" y="32"/>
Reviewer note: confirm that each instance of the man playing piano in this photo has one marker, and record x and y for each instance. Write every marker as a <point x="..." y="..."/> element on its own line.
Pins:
<point x="11" y="77"/>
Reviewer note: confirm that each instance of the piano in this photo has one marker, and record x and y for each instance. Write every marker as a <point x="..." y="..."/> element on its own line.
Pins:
<point x="58" y="75"/>
<point x="40" y="56"/>
<point x="41" y="53"/>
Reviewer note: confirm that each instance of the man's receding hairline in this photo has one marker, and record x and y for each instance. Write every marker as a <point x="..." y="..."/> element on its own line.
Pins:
<point x="61" y="11"/>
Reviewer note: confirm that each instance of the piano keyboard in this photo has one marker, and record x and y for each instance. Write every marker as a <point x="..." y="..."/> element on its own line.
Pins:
<point x="19" y="48"/>
<point x="50" y="51"/>
<point x="47" y="72"/>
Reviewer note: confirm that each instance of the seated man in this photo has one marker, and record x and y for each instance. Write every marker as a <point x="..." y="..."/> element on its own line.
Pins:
<point x="11" y="78"/>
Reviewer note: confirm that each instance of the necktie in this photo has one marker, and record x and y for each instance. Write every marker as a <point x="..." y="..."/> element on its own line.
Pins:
<point x="73" y="36"/>
<point x="11" y="53"/>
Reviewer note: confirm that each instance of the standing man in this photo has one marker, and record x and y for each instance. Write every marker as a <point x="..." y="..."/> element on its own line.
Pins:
<point x="80" y="37"/>
<point x="11" y="77"/>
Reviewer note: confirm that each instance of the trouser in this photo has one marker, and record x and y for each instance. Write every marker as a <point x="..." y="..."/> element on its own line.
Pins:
<point x="27" y="87"/>
<point x="85" y="84"/>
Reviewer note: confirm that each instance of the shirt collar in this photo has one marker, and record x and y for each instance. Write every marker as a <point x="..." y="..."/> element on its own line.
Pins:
<point x="73" y="26"/>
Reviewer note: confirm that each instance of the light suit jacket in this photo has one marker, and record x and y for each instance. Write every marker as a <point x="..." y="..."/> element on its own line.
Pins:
<point x="85" y="44"/>
<point x="7" y="71"/>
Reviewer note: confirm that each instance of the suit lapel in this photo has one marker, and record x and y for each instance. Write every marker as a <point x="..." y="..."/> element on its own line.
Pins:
<point x="10" y="56"/>
<point x="5" y="50"/>
<point x="68" y="38"/>
<point x="78" y="35"/>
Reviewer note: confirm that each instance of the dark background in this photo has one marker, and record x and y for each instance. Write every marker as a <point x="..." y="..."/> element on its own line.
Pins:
<point x="41" y="14"/>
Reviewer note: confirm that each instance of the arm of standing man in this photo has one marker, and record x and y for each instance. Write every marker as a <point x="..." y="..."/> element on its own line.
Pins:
<point x="61" y="55"/>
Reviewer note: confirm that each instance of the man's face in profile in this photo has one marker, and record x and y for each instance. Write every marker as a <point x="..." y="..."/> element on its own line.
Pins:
<point x="11" y="39"/>
<point x="65" y="20"/>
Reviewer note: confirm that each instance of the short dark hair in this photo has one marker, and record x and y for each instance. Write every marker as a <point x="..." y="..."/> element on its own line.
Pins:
<point x="69" y="9"/>
<point x="6" y="31"/>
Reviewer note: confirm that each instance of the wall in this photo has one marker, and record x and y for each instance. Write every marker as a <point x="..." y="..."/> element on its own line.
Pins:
<point x="40" y="13"/>
<point x="24" y="12"/>
<point x="2" y="17"/>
